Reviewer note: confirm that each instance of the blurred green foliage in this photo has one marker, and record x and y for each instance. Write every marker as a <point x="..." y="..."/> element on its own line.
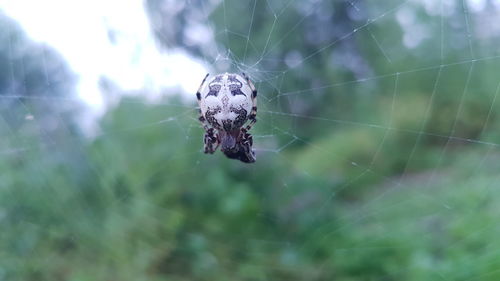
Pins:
<point x="376" y="161"/>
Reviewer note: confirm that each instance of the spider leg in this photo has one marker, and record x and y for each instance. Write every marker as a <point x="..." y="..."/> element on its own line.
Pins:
<point x="250" y="84"/>
<point x="247" y="154"/>
<point x="201" y="118"/>
<point x="253" y="114"/>
<point x="198" y="94"/>
<point x="203" y="121"/>
<point x="244" y="151"/>
<point x="210" y="141"/>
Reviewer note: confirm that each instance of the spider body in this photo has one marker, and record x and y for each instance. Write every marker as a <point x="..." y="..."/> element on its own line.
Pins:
<point x="227" y="101"/>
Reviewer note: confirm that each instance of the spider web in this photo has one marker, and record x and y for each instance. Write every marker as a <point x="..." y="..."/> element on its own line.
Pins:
<point x="281" y="132"/>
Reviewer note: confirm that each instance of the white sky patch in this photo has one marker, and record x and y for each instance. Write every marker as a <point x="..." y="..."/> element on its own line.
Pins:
<point x="414" y="32"/>
<point x="477" y="5"/>
<point x="79" y="31"/>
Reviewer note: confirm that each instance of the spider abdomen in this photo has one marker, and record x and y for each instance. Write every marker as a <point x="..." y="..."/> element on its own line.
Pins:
<point x="226" y="101"/>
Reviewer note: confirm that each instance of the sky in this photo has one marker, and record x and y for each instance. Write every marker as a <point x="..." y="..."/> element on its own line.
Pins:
<point x="78" y="30"/>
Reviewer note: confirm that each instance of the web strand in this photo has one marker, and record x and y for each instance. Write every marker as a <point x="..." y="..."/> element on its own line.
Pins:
<point x="281" y="135"/>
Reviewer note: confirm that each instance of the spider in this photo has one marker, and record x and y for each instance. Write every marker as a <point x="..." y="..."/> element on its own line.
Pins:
<point x="227" y="101"/>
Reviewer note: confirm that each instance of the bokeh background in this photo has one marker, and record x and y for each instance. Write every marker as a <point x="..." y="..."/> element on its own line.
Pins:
<point x="377" y="141"/>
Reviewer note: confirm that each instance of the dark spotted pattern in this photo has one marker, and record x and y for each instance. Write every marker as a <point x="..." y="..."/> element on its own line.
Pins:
<point x="215" y="86"/>
<point x="210" y="117"/>
<point x="227" y="125"/>
<point x="241" y="118"/>
<point x="235" y="85"/>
